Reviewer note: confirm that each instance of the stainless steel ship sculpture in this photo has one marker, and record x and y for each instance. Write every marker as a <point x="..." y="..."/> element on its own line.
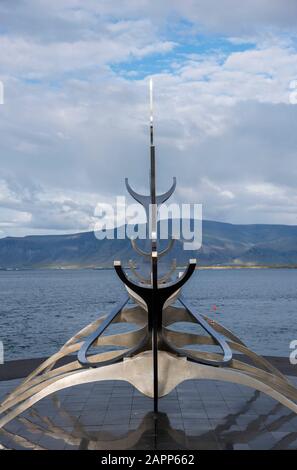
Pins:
<point x="153" y="357"/>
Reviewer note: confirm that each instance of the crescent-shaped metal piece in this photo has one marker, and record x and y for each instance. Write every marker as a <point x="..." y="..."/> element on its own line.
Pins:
<point x="145" y="200"/>
<point x="164" y="290"/>
<point x="140" y="278"/>
<point x="167" y="276"/>
<point x="161" y="198"/>
<point x="139" y="250"/>
<point x="168" y="248"/>
<point x="149" y="254"/>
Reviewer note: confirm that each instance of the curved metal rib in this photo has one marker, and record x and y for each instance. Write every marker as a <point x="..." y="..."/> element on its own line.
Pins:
<point x="167" y="276"/>
<point x="163" y="197"/>
<point x="128" y="339"/>
<point x="203" y="358"/>
<point x="128" y="353"/>
<point x="168" y="248"/>
<point x="222" y="329"/>
<point x="257" y="360"/>
<point x="149" y="254"/>
<point x="133" y="315"/>
<point x="139" y="250"/>
<point x="145" y="200"/>
<point x="175" y="314"/>
<point x="141" y="278"/>
<point x="164" y="291"/>
<point x="270" y="375"/>
<point x="82" y="353"/>
<point x="173" y="371"/>
<point x="279" y="384"/>
<point x="218" y="338"/>
<point x="141" y="198"/>
<point x="267" y="378"/>
<point x="183" y="339"/>
<point x="38" y="383"/>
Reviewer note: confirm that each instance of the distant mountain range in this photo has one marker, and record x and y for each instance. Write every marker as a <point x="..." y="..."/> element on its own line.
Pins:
<point x="223" y="245"/>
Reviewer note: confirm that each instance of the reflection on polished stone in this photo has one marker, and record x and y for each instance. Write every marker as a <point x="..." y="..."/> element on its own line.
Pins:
<point x="113" y="415"/>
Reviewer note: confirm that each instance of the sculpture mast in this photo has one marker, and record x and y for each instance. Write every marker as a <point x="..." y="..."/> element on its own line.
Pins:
<point x="153" y="211"/>
<point x="153" y="291"/>
<point x="154" y="253"/>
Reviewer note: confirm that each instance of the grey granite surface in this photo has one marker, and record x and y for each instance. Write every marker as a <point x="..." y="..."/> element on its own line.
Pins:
<point x="113" y="415"/>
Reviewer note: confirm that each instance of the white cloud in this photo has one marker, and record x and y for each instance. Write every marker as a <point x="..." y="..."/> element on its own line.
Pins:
<point x="31" y="60"/>
<point x="224" y="124"/>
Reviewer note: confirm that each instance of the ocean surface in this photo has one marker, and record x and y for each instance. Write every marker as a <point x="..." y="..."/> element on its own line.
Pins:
<point x="40" y="310"/>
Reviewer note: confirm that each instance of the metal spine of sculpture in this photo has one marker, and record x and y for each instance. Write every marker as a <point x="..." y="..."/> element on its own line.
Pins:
<point x="153" y="357"/>
<point x="150" y="290"/>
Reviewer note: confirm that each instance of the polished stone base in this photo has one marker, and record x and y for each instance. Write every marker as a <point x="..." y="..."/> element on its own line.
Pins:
<point x="113" y="415"/>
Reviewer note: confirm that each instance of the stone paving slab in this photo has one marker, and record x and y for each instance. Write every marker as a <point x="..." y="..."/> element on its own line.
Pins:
<point x="113" y="415"/>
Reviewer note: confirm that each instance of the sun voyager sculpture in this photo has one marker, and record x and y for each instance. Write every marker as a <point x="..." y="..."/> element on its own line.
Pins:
<point x="153" y="357"/>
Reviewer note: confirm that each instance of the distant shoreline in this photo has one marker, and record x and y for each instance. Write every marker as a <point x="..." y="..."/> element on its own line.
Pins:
<point x="101" y="268"/>
<point x="225" y="246"/>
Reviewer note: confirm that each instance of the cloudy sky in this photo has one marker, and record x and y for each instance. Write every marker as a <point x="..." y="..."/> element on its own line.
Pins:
<point x="74" y="121"/>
